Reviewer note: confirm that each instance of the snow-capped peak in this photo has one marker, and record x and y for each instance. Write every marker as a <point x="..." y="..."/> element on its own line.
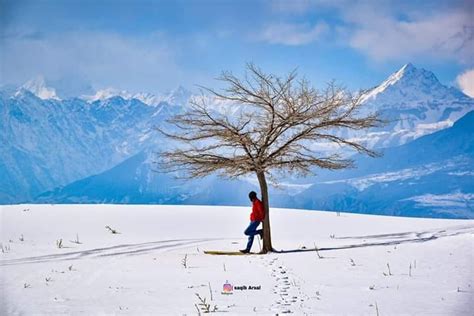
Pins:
<point x="38" y="87"/>
<point x="407" y="75"/>
<point x="178" y="96"/>
<point x="147" y="98"/>
<point x="415" y="103"/>
<point x="108" y="93"/>
<point x="410" y="72"/>
<point x="407" y="68"/>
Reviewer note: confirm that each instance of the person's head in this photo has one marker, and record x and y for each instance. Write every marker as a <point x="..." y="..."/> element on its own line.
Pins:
<point x="252" y="195"/>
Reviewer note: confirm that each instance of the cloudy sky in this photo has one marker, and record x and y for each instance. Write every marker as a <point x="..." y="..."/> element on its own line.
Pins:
<point x="154" y="46"/>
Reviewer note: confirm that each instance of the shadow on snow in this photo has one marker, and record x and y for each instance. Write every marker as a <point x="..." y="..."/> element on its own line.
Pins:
<point x="126" y="249"/>
<point x="143" y="248"/>
<point x="396" y="239"/>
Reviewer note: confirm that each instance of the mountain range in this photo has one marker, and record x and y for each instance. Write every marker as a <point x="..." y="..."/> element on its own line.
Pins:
<point x="52" y="142"/>
<point x="431" y="177"/>
<point x="99" y="149"/>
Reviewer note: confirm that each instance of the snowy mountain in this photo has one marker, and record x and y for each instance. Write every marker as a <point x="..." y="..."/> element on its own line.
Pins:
<point x="178" y="96"/>
<point x="38" y="87"/>
<point x="104" y="94"/>
<point x="50" y="143"/>
<point x="411" y="180"/>
<point x="136" y="181"/>
<point x="415" y="103"/>
<point x="431" y="176"/>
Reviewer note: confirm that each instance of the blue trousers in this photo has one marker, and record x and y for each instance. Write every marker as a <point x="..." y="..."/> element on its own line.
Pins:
<point x="251" y="231"/>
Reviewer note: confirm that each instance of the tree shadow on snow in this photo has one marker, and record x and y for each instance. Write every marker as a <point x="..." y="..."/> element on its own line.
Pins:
<point x="396" y="239"/>
<point x="126" y="249"/>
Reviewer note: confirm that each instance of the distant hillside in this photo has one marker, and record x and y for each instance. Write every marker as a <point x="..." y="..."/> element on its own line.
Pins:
<point x="431" y="176"/>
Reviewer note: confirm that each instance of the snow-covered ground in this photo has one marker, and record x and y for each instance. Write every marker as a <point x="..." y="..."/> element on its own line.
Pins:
<point x="368" y="264"/>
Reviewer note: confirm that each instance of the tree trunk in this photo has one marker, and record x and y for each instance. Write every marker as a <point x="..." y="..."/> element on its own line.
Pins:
<point x="267" y="238"/>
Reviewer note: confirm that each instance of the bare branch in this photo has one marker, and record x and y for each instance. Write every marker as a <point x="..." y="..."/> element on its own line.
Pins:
<point x="276" y="120"/>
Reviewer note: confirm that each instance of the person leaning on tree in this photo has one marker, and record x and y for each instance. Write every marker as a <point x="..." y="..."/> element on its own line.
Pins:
<point x="256" y="217"/>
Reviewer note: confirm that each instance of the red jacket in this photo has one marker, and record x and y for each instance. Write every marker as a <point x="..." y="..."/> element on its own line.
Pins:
<point x="258" y="213"/>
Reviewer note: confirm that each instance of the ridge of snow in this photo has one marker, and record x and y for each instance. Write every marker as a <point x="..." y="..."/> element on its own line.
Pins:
<point x="408" y="71"/>
<point x="178" y="96"/>
<point x="107" y="93"/>
<point x="362" y="183"/>
<point x="38" y="87"/>
<point x="455" y="199"/>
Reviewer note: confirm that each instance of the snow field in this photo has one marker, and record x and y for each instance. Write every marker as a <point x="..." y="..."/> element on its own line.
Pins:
<point x="155" y="263"/>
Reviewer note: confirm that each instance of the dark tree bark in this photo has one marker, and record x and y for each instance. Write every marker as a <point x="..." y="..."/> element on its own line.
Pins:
<point x="267" y="238"/>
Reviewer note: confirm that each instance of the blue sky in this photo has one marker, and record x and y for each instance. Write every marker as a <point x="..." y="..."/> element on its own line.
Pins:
<point x="155" y="46"/>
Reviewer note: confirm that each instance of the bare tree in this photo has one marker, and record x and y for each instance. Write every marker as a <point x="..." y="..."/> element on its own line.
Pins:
<point x="270" y="126"/>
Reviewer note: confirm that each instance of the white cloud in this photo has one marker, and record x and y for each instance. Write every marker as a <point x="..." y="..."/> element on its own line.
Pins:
<point x="466" y="82"/>
<point x="388" y="30"/>
<point x="293" y="34"/>
<point x="103" y="58"/>
<point x="447" y="36"/>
